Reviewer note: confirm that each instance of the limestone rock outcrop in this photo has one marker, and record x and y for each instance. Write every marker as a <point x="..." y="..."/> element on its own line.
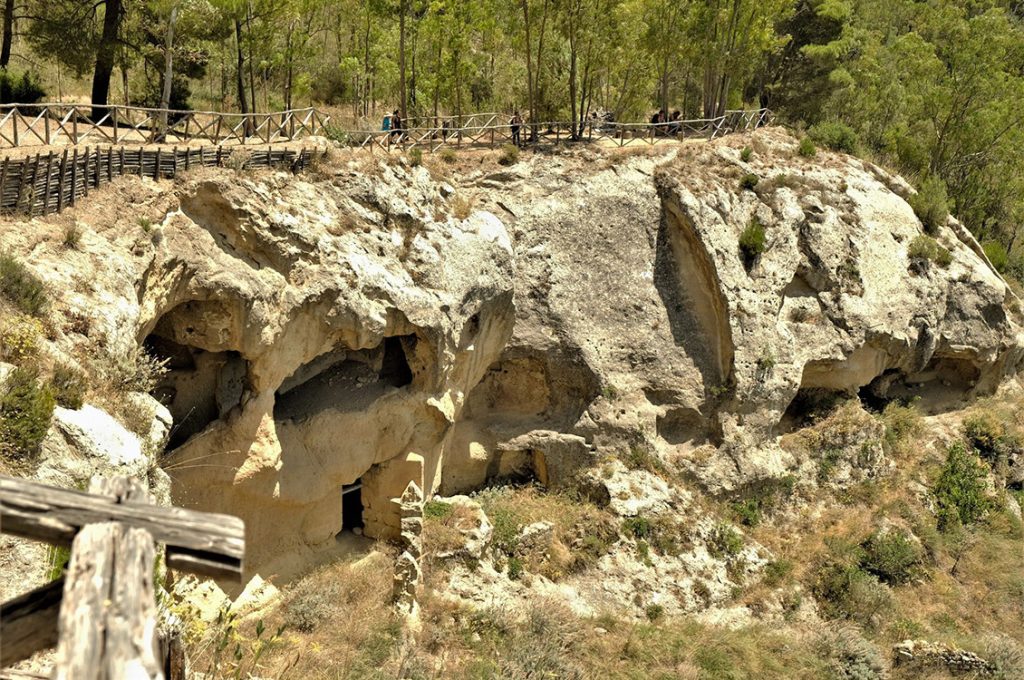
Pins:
<point x="333" y="337"/>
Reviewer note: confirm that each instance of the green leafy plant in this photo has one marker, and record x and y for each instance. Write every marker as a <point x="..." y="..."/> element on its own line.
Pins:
<point x="998" y="255"/>
<point x="724" y="541"/>
<point x="807" y="148"/>
<point x="931" y="204"/>
<point x="749" y="181"/>
<point x="515" y="568"/>
<point x="448" y="155"/>
<point x="21" y="287"/>
<point x="25" y="412"/>
<point x="415" y="156"/>
<point x="752" y="242"/>
<point x="69" y="386"/>
<point x="959" y="491"/>
<point x="836" y="136"/>
<point x="654" y="612"/>
<point x="72" y="236"/>
<point x="437" y="510"/>
<point x="926" y="249"/>
<point x="746" y="153"/>
<point x="891" y="556"/>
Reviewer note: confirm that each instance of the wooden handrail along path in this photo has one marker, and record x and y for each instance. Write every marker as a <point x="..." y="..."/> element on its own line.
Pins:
<point x="73" y="124"/>
<point x="492" y="129"/>
<point x="101" y="615"/>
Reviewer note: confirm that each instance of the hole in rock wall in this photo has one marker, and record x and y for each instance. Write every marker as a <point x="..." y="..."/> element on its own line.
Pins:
<point x="345" y="379"/>
<point x="682" y="425"/>
<point x="352" y="506"/>
<point x="808" y="406"/>
<point x="199" y="386"/>
<point x="940" y="386"/>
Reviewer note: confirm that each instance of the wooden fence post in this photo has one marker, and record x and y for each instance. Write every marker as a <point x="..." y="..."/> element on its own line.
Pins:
<point x="74" y="175"/>
<point x="32" y="187"/>
<point x="85" y="173"/>
<point x="46" y="191"/>
<point x="3" y="181"/>
<point x="113" y="119"/>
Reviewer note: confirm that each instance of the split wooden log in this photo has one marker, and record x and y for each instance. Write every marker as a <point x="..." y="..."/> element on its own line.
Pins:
<point x="200" y="542"/>
<point x="28" y="624"/>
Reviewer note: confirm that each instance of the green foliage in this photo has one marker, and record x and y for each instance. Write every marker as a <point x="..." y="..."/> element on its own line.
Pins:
<point x="777" y="571"/>
<point x="437" y="510"/>
<point x="845" y="590"/>
<point x="959" y="492"/>
<point x="235" y="655"/>
<point x="902" y="424"/>
<point x="752" y="242"/>
<point x="448" y="155"/>
<point x="835" y="135"/>
<point x="931" y="204"/>
<point x="998" y="255"/>
<point x="991" y="438"/>
<point x="515" y="568"/>
<point x="25" y="412"/>
<point x="926" y="249"/>
<point x="509" y="154"/>
<point x="654" y="612"/>
<point x="807" y="148"/>
<point x="746" y="154"/>
<point x="69" y="386"/>
<point x="21" y="287"/>
<point x="891" y="556"/>
<point x="337" y="134"/>
<point x="57" y="559"/>
<point x="20" y="338"/>
<point x="749" y="181"/>
<point x="724" y="542"/>
<point x="415" y="157"/>
<point x="759" y="498"/>
<point x="23" y="89"/>
<point x="637" y="527"/>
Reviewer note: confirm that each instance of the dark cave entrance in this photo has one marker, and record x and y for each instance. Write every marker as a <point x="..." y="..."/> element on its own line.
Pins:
<point x="198" y="387"/>
<point x="352" y="506"/>
<point x="345" y="380"/>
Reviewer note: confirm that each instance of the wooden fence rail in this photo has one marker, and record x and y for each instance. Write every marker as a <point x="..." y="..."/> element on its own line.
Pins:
<point x="491" y="130"/>
<point x="74" y="124"/>
<point x="46" y="183"/>
<point x="102" y="615"/>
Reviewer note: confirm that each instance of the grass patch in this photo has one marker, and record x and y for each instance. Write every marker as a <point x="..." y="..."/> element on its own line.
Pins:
<point x="749" y="181"/>
<point x="807" y="148"/>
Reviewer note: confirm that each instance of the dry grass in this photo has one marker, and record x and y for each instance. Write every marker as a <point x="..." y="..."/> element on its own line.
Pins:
<point x="347" y="626"/>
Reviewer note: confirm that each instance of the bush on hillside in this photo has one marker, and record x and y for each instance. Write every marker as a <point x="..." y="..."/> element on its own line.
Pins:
<point x="69" y="386"/>
<point x="997" y="254"/>
<point x="846" y="591"/>
<point x="924" y="249"/>
<point x="509" y="155"/>
<point x="25" y="412"/>
<point x="891" y="556"/>
<point x="752" y="242"/>
<point x="807" y="149"/>
<point x="931" y="204"/>
<point x="835" y="136"/>
<point x="851" y="656"/>
<point x="959" y="491"/>
<point x="21" y="287"/>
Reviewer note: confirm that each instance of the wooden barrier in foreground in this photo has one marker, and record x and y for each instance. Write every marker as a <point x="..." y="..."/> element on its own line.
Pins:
<point x="101" y="615"/>
<point x="47" y="183"/>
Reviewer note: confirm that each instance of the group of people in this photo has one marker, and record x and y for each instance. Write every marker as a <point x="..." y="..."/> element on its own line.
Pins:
<point x="667" y="124"/>
<point x="393" y="124"/>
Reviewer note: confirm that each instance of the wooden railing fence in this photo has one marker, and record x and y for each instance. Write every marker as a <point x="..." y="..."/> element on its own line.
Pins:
<point x="493" y="129"/>
<point x="102" y="614"/>
<point x="45" y="183"/>
<point x="73" y="124"/>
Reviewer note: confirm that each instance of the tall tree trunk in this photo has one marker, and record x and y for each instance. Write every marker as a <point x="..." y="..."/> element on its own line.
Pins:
<point x="8" y="37"/>
<point x="529" y="71"/>
<point x="401" y="55"/>
<point x="105" y="58"/>
<point x="165" y="99"/>
<point x="243" y="102"/>
<point x="252" y="70"/>
<point x="366" y="68"/>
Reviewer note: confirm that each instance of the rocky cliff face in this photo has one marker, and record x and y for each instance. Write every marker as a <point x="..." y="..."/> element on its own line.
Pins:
<point x="370" y="324"/>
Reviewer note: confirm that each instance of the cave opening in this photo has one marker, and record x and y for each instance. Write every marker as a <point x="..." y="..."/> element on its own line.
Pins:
<point x="345" y="379"/>
<point x="198" y="386"/>
<point x="352" y="507"/>
<point x="810" y="405"/>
